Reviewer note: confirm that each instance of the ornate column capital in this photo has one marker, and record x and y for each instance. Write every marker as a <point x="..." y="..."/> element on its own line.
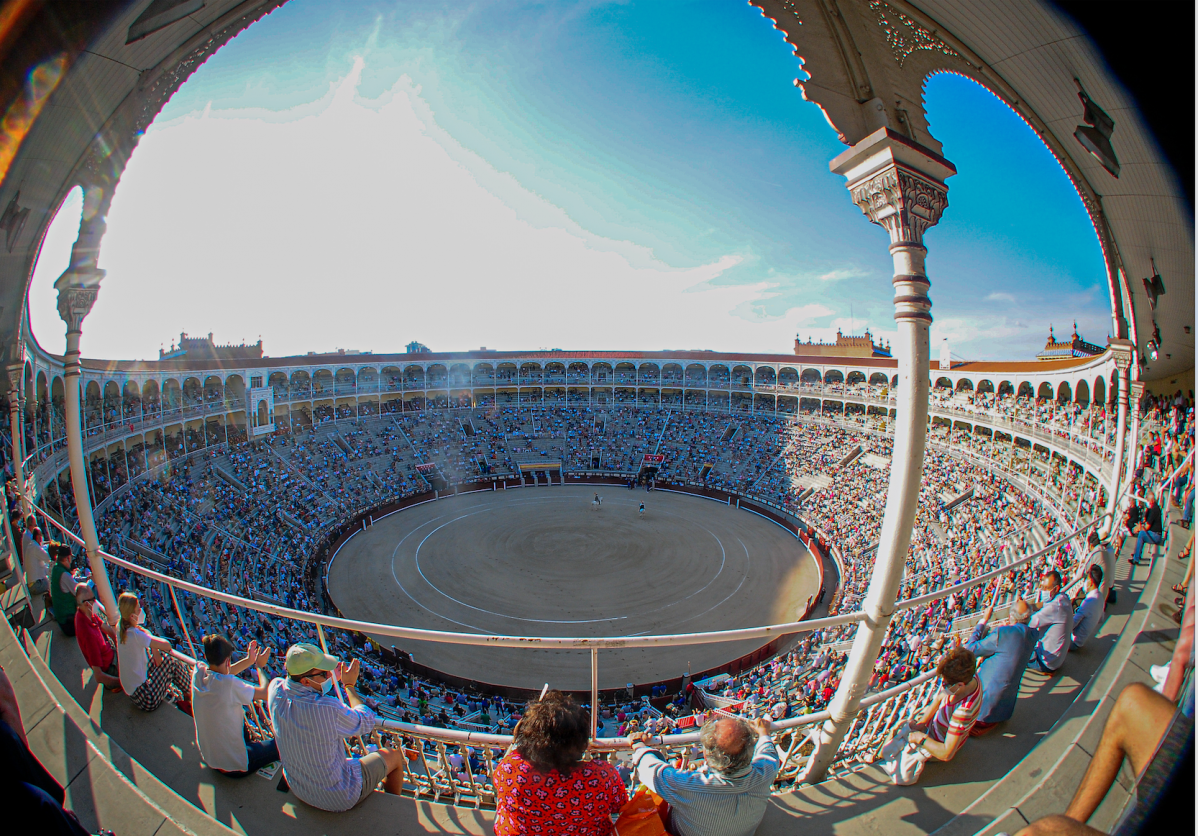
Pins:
<point x="16" y="393"/>
<point x="1137" y="395"/>
<point x="1121" y="353"/>
<point x="898" y="183"/>
<point x="75" y="302"/>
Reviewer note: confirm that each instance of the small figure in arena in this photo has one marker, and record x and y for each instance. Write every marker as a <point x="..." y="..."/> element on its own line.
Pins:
<point x="641" y="511"/>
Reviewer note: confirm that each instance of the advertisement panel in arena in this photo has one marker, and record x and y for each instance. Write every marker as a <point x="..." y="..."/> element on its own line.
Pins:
<point x="652" y="460"/>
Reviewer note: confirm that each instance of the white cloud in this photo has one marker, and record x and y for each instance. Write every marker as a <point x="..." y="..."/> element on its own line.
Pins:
<point x="1001" y="297"/>
<point x="361" y="224"/>
<point x="841" y="273"/>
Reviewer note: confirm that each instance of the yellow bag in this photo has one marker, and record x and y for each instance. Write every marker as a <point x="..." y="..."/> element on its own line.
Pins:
<point x="645" y="814"/>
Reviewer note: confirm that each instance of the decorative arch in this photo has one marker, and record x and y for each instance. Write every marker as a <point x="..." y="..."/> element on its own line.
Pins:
<point x="1081" y="393"/>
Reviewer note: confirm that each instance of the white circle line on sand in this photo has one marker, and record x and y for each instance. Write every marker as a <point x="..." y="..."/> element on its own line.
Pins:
<point x="528" y="501"/>
<point x="435" y="588"/>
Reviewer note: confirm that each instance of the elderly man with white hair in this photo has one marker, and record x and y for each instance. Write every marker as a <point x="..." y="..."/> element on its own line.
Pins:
<point x="1002" y="653"/>
<point x="729" y="794"/>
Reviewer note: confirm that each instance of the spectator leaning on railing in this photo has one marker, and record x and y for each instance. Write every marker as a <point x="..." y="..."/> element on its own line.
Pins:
<point x="312" y="725"/>
<point x="729" y="795"/>
<point x="218" y="697"/>
<point x="1003" y="651"/>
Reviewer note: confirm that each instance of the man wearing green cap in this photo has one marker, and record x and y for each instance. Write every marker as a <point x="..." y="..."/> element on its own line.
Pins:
<point x="311" y="726"/>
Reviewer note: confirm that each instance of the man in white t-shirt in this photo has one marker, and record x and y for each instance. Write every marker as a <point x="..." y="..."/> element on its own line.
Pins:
<point x="218" y="700"/>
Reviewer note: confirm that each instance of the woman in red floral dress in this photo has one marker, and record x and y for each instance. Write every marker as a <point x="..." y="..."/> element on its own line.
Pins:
<point x="543" y="787"/>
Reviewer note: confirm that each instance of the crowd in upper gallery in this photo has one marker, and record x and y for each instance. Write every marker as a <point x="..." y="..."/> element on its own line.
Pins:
<point x="1089" y="425"/>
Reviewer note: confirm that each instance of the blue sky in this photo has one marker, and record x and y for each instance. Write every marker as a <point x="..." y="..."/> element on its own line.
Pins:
<point x="638" y="175"/>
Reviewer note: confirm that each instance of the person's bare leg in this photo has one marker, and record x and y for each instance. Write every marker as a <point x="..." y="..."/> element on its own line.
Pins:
<point x="393" y="783"/>
<point x="1058" y="826"/>
<point x="1135" y="727"/>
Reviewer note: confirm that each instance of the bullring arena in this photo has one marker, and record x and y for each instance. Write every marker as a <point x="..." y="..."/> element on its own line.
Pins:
<point x="544" y="562"/>
<point x="828" y="521"/>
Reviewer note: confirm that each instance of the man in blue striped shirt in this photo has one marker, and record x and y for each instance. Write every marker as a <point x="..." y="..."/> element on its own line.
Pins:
<point x="729" y="794"/>
<point x="311" y="726"/>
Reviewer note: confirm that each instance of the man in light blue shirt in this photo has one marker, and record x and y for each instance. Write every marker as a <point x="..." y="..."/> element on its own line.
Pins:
<point x="1004" y="652"/>
<point x="729" y="794"/>
<point x="312" y="725"/>
<point x="1053" y="623"/>
<point x="1089" y="614"/>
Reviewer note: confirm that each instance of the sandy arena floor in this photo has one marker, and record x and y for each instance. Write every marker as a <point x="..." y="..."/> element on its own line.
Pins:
<point x="541" y="562"/>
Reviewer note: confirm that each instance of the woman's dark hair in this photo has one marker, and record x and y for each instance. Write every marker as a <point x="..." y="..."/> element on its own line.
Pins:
<point x="957" y="666"/>
<point x="553" y="733"/>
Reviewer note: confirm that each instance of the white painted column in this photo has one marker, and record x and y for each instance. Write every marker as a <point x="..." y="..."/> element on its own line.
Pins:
<point x="899" y="185"/>
<point x="77" y="289"/>
<point x="1122" y="351"/>
<point x="1135" y="397"/>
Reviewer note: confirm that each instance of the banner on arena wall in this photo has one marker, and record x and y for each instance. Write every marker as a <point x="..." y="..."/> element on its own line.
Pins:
<point x="426" y="468"/>
<point x="652" y="460"/>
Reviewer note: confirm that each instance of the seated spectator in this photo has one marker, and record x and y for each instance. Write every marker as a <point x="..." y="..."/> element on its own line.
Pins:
<point x="1003" y="652"/>
<point x="1149" y="530"/>
<point x="729" y="794"/>
<point x="1104" y="557"/>
<point x="96" y="638"/>
<point x="217" y="700"/>
<point x="36" y="563"/>
<point x="62" y="588"/>
<point x="1132" y="518"/>
<point x="312" y="725"/>
<point x="1091" y="610"/>
<point x="150" y="675"/>
<point x="543" y="786"/>
<point x="1053" y="623"/>
<point x="944" y="724"/>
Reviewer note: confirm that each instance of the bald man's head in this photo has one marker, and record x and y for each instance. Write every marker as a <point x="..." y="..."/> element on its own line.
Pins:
<point x="728" y="744"/>
<point x="1020" y="612"/>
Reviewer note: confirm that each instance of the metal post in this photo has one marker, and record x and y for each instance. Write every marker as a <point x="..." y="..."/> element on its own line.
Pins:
<point x="899" y="186"/>
<point x="594" y="692"/>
